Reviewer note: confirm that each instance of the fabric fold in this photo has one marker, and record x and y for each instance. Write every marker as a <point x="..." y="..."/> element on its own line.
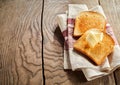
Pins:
<point x="75" y="61"/>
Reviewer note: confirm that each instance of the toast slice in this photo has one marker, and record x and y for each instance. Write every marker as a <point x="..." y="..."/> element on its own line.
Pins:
<point x="88" y="20"/>
<point x="99" y="51"/>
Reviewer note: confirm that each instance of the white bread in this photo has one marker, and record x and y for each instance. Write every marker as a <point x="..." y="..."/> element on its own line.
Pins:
<point x="99" y="52"/>
<point x="87" y="20"/>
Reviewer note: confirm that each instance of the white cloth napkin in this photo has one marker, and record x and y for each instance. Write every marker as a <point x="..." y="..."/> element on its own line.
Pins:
<point x="75" y="61"/>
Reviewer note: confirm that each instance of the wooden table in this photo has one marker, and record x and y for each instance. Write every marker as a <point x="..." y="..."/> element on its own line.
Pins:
<point x="31" y="48"/>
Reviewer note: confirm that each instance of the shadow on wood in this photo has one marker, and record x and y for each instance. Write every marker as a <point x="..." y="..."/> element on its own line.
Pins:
<point x="73" y="76"/>
<point x="59" y="36"/>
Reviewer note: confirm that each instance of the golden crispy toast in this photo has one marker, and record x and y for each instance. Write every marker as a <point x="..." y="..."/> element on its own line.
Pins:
<point x="87" y="20"/>
<point x="99" y="51"/>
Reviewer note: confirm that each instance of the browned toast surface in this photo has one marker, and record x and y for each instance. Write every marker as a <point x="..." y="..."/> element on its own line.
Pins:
<point x="88" y="20"/>
<point x="99" y="52"/>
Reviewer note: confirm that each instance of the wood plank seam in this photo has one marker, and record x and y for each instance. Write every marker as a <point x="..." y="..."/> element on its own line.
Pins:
<point x="99" y="2"/>
<point x="115" y="79"/>
<point x="42" y="51"/>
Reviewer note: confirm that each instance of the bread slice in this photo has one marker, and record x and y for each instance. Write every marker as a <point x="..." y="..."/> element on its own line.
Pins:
<point x="88" y="20"/>
<point x="99" y="52"/>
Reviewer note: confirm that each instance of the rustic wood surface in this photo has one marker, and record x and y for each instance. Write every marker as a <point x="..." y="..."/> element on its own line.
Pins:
<point x="112" y="10"/>
<point x="31" y="44"/>
<point x="20" y="42"/>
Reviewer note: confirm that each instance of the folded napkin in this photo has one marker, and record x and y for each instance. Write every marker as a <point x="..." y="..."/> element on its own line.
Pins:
<point x="75" y="61"/>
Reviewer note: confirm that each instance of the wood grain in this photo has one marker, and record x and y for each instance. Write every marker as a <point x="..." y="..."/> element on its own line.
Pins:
<point x="20" y="42"/>
<point x="53" y="48"/>
<point x="112" y="10"/>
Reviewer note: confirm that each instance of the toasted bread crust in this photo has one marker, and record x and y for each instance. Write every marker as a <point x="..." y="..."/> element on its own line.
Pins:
<point x="99" y="52"/>
<point x="88" y="20"/>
